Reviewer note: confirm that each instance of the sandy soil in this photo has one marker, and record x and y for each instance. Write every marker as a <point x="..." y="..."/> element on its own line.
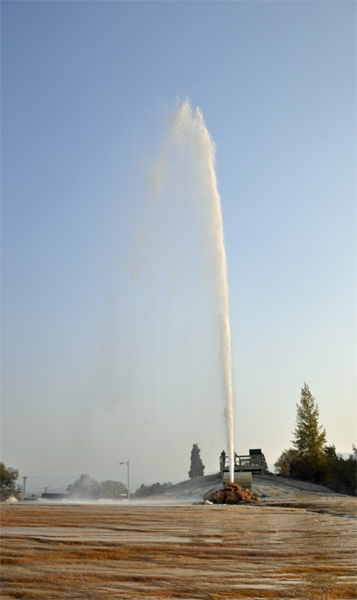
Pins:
<point x="130" y="551"/>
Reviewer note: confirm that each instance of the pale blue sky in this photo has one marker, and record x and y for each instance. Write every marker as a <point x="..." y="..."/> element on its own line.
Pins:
<point x="87" y="88"/>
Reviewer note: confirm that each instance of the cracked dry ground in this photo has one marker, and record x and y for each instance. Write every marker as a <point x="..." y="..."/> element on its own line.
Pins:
<point x="212" y="552"/>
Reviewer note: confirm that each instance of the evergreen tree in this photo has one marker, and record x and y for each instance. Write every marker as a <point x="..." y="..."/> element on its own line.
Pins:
<point x="197" y="467"/>
<point x="311" y="458"/>
<point x="309" y="440"/>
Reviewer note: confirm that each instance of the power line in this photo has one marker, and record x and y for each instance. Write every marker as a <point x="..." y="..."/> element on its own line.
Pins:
<point x="69" y="469"/>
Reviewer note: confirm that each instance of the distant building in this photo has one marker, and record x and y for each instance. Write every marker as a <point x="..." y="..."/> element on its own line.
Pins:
<point x="53" y="496"/>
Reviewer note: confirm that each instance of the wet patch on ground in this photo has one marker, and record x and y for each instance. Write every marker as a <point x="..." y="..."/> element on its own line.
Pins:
<point x="184" y="551"/>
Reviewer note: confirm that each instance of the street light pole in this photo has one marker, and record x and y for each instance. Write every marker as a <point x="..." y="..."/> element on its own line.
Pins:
<point x="24" y="486"/>
<point x="126" y="462"/>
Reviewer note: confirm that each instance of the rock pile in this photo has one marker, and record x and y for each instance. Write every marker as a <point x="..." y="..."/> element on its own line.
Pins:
<point x="232" y="493"/>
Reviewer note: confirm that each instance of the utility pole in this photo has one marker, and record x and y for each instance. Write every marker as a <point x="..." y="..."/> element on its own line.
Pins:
<point x="24" y="487"/>
<point x="45" y="488"/>
<point x="126" y="462"/>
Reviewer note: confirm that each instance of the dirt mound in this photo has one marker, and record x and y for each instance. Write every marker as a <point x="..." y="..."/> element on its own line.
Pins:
<point x="232" y="493"/>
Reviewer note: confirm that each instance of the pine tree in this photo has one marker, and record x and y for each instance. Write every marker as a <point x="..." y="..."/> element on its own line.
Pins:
<point x="309" y="439"/>
<point x="197" y="466"/>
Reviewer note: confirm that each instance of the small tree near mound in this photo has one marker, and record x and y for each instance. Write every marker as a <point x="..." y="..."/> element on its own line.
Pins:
<point x="282" y="465"/>
<point x="197" y="467"/>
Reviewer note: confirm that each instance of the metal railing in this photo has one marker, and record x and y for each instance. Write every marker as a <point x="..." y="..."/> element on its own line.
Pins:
<point x="245" y="462"/>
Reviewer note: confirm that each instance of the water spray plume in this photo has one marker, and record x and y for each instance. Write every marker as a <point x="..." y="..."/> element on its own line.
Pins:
<point x="189" y="140"/>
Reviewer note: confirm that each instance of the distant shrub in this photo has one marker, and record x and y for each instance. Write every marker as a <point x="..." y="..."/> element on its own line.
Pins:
<point x="341" y="474"/>
<point x="112" y="489"/>
<point x="87" y="488"/>
<point x="312" y="468"/>
<point x="155" y="489"/>
<point x="334" y="471"/>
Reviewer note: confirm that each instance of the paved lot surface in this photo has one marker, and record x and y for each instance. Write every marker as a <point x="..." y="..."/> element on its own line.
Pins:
<point x="152" y="551"/>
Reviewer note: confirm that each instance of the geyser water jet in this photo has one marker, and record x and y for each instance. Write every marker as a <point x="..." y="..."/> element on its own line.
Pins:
<point x="190" y="143"/>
